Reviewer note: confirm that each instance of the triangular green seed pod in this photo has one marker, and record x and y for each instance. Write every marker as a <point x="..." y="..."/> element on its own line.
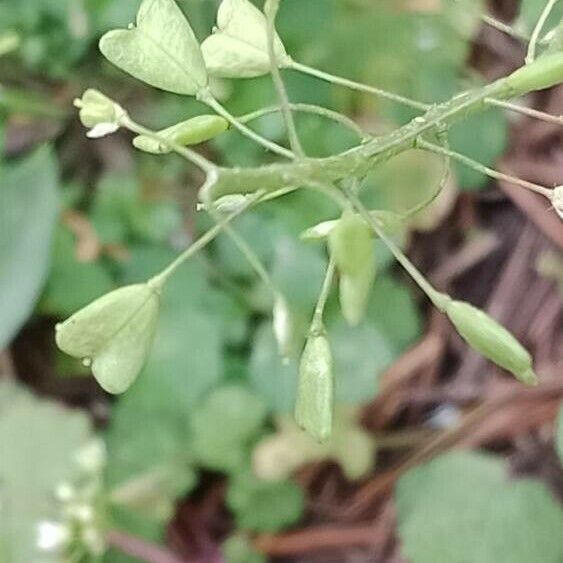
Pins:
<point x="557" y="200"/>
<point x="315" y="394"/>
<point x="113" y="335"/>
<point x="492" y="340"/>
<point x="354" y="292"/>
<point x="391" y="223"/>
<point x="191" y="132"/>
<point x="238" y="47"/>
<point x="160" y="50"/>
<point x="351" y="244"/>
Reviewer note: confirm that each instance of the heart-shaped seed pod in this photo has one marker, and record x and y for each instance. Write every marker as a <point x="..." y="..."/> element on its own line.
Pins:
<point x="351" y="244"/>
<point x="238" y="47"/>
<point x="492" y="340"/>
<point x="315" y="394"/>
<point x="160" y="50"/>
<point x="191" y="132"/>
<point x="113" y="335"/>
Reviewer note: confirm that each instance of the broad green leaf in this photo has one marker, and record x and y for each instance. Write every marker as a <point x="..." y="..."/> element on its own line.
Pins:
<point x="161" y="50"/>
<point x="483" y="138"/>
<point x="238" y="549"/>
<point x="264" y="506"/>
<point x="224" y="426"/>
<point x="28" y="210"/>
<point x="460" y="508"/>
<point x="33" y="464"/>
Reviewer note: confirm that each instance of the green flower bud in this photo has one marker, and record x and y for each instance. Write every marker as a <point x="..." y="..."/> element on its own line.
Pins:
<point x="315" y="394"/>
<point x="545" y="72"/>
<point x="351" y="245"/>
<point x="99" y="113"/>
<point x="557" y="200"/>
<point x="492" y="340"/>
<point x="113" y="335"/>
<point x="391" y="223"/>
<point x="238" y="47"/>
<point x="191" y="132"/>
<point x="354" y="292"/>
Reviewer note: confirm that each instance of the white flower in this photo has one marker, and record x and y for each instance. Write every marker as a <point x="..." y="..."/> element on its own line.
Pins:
<point x="557" y="200"/>
<point x="52" y="536"/>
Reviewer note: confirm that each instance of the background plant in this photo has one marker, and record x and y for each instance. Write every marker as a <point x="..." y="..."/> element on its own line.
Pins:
<point x="217" y="320"/>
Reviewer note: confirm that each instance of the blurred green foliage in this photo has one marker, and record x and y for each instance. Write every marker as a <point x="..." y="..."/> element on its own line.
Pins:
<point x="214" y="378"/>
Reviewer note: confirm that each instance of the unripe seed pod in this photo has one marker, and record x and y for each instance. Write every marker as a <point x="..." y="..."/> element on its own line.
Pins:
<point x="315" y="394"/>
<point x="351" y="244"/>
<point x="354" y="292"/>
<point x="545" y="72"/>
<point x="492" y="340"/>
<point x="113" y="335"/>
<point x="391" y="223"/>
<point x="191" y="132"/>
<point x="557" y="200"/>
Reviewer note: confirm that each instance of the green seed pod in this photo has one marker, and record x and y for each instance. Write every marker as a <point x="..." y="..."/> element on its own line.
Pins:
<point x="238" y="47"/>
<point x="557" y="200"/>
<point x="191" y="132"/>
<point x="283" y="326"/>
<point x="315" y="394"/>
<point x="543" y="73"/>
<point x="354" y="292"/>
<point x="351" y="244"/>
<point x="492" y="340"/>
<point x="113" y="335"/>
<point x="391" y="223"/>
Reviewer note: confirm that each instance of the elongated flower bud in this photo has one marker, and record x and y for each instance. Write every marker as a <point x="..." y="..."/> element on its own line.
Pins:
<point x="545" y="72"/>
<point x="191" y="132"/>
<point x="491" y="339"/>
<point x="113" y="335"/>
<point x="351" y="244"/>
<point x="315" y="395"/>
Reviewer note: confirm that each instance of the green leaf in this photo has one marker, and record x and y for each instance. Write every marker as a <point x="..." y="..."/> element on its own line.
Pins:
<point x="460" y="508"/>
<point x="72" y="284"/>
<point x="264" y="506"/>
<point x="224" y="426"/>
<point x="483" y="137"/>
<point x="238" y="549"/>
<point x="28" y="210"/>
<point x="33" y="464"/>
<point x="161" y="50"/>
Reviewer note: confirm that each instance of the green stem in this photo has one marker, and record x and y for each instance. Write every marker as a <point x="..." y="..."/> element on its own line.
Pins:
<point x="439" y="300"/>
<point x="307" y="108"/>
<point x="505" y="28"/>
<point x="546" y="192"/>
<point x="317" y="324"/>
<point x="271" y="9"/>
<point x="529" y="112"/>
<point x="208" y="99"/>
<point x="358" y="86"/>
<point x="531" y="55"/>
<point x="206" y="165"/>
<point x="159" y="281"/>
